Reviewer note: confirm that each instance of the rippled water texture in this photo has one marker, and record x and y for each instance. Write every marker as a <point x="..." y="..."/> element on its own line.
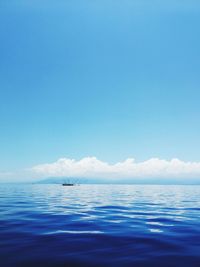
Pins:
<point x="99" y="225"/>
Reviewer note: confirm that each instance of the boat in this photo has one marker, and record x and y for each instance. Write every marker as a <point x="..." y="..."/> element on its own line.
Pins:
<point x="68" y="184"/>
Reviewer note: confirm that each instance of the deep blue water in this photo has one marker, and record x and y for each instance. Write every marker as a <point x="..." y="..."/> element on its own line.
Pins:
<point x="99" y="225"/>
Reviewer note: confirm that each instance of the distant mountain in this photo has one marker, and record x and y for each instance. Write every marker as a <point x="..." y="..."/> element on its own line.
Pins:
<point x="57" y="180"/>
<point x="60" y="180"/>
<point x="159" y="181"/>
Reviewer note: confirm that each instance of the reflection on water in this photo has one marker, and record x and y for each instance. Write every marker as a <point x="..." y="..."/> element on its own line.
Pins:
<point x="99" y="225"/>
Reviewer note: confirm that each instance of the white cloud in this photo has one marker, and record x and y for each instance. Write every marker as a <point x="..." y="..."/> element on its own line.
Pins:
<point x="94" y="168"/>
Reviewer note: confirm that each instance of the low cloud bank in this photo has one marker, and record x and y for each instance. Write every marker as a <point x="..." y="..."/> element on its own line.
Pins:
<point x="91" y="167"/>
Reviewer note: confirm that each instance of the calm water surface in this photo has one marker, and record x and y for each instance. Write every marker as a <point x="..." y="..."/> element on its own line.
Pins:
<point x="99" y="225"/>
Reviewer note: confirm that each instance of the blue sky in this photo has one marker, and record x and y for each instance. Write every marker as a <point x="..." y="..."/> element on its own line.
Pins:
<point x="111" y="79"/>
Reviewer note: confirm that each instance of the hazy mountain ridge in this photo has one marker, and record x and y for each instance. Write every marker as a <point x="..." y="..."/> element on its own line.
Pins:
<point x="170" y="181"/>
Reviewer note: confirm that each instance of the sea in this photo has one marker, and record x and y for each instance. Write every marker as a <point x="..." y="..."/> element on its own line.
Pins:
<point x="99" y="225"/>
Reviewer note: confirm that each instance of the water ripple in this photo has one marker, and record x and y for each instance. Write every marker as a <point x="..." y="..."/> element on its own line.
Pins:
<point x="49" y="225"/>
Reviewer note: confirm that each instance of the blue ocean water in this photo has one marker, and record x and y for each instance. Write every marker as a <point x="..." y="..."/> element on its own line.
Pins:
<point x="99" y="225"/>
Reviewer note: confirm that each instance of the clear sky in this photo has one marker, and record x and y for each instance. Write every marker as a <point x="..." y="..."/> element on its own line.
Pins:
<point x="111" y="79"/>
